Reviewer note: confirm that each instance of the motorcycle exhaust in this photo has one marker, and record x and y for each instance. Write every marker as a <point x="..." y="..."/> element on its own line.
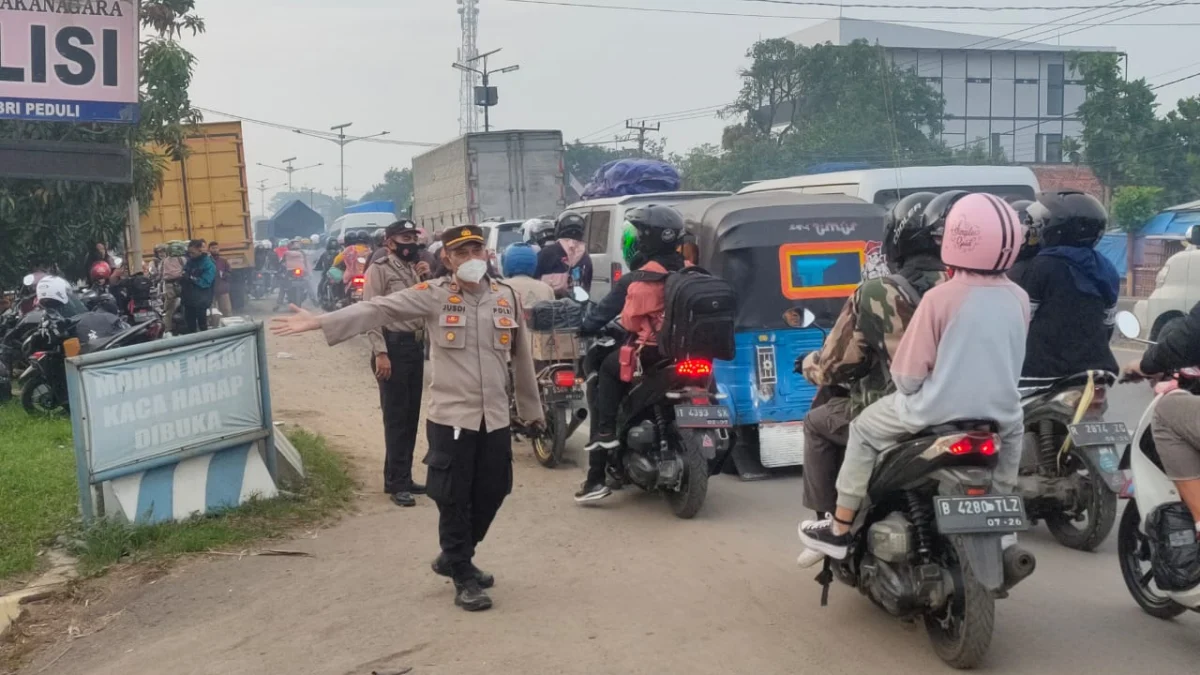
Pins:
<point x="1018" y="564"/>
<point x="576" y="421"/>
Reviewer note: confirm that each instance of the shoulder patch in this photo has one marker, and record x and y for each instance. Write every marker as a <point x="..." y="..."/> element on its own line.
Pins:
<point x="423" y="286"/>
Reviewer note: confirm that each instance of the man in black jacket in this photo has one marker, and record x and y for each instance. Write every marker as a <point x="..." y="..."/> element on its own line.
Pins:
<point x="1176" y="423"/>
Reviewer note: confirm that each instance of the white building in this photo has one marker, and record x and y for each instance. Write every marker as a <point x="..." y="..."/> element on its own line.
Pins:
<point x="1014" y="97"/>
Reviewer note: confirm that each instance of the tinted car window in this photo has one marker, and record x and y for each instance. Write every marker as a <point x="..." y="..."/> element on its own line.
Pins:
<point x="596" y="231"/>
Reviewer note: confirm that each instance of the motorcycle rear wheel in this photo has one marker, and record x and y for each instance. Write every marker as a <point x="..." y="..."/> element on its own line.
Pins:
<point x="693" y="487"/>
<point x="36" y="395"/>
<point x="549" y="446"/>
<point x="1132" y="552"/>
<point x="963" y="635"/>
<point x="1100" y="507"/>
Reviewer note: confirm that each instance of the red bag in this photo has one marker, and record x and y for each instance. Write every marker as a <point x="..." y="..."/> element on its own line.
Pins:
<point x="628" y="358"/>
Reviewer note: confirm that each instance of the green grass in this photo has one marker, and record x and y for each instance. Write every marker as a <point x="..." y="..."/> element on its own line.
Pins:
<point x="39" y="500"/>
<point x="328" y="489"/>
<point x="38" y="496"/>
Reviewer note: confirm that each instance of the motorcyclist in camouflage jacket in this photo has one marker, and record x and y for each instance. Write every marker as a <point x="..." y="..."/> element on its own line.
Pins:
<point x="852" y="368"/>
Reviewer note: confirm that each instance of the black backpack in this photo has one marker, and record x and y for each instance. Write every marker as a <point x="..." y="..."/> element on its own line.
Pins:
<point x="699" y="317"/>
<point x="1175" y="560"/>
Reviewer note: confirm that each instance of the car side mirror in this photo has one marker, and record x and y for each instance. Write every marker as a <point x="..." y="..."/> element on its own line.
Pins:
<point x="1128" y="325"/>
<point x="1193" y="235"/>
<point x="808" y="319"/>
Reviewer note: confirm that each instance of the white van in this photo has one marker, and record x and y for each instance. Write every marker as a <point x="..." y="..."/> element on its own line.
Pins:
<point x="365" y="222"/>
<point x="1177" y="289"/>
<point x="605" y="223"/>
<point x="887" y="186"/>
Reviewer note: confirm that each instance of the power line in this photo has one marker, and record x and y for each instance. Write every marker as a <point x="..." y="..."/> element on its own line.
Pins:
<point x="314" y="132"/>
<point x="754" y="15"/>
<point x="969" y="8"/>
<point x="1167" y="84"/>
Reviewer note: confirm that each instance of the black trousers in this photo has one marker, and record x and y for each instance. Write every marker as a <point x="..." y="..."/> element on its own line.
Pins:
<point x="469" y="477"/>
<point x="400" y="399"/>
<point x="826" y="432"/>
<point x="610" y="389"/>
<point x="195" y="318"/>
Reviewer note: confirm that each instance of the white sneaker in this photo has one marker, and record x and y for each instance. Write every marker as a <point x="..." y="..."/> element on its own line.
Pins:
<point x="809" y="558"/>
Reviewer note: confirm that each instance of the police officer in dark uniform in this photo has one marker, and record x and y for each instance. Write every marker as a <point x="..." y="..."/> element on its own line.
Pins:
<point x="477" y="326"/>
<point x="398" y="358"/>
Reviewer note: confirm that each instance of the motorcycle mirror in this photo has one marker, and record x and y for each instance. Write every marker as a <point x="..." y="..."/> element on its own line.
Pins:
<point x="118" y="260"/>
<point x="1129" y="325"/>
<point x="580" y="295"/>
<point x="28" y="280"/>
<point x="808" y="319"/>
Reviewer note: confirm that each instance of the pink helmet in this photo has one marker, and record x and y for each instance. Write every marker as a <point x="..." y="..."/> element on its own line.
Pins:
<point x="983" y="233"/>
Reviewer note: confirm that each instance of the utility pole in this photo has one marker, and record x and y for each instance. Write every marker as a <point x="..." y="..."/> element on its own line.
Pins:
<point x="485" y="96"/>
<point x="342" y="140"/>
<point x="641" y="130"/>
<point x="262" y="195"/>
<point x="289" y="169"/>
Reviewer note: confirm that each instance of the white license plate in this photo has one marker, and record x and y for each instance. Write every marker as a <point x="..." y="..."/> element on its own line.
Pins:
<point x="702" y="416"/>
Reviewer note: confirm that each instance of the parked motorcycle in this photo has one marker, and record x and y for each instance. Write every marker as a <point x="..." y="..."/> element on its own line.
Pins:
<point x="1156" y="528"/>
<point x="556" y="355"/>
<point x="44" y="382"/>
<point x="1069" y="474"/>
<point x="670" y="426"/>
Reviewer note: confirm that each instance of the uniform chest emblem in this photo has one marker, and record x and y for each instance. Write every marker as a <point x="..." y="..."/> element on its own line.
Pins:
<point x="505" y="339"/>
<point x="506" y="322"/>
<point x="502" y="302"/>
<point x="453" y="320"/>
<point x="422" y="286"/>
<point x="454" y="299"/>
<point x="450" y="336"/>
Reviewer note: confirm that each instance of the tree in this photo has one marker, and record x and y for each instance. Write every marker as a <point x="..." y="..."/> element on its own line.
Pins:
<point x="1072" y="150"/>
<point x="45" y="222"/>
<point x="1132" y="208"/>
<point x="397" y="186"/>
<point x="1118" y="121"/>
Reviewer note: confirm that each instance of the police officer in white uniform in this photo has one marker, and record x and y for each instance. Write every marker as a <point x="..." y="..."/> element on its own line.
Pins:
<point x="476" y="325"/>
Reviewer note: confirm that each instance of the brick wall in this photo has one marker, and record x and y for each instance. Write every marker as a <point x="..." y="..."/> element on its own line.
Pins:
<point x="1068" y="177"/>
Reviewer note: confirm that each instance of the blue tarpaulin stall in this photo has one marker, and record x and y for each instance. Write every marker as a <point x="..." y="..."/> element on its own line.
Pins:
<point x="1170" y="224"/>
<point x="1114" y="246"/>
<point x="372" y="207"/>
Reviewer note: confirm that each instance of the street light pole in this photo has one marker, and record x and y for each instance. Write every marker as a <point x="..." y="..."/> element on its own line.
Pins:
<point x="342" y="140"/>
<point x="289" y="169"/>
<point x="486" y="75"/>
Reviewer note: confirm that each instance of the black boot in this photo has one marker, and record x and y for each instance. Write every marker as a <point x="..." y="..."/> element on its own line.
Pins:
<point x="470" y="596"/>
<point x="441" y="567"/>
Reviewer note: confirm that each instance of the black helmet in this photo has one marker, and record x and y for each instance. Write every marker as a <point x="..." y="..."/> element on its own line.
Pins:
<point x="1031" y="245"/>
<point x="1067" y="218"/>
<point x="939" y="209"/>
<point x="570" y="225"/>
<point x="355" y="237"/>
<point x="332" y="244"/>
<point x="655" y="217"/>
<point x="378" y="237"/>
<point x="905" y="232"/>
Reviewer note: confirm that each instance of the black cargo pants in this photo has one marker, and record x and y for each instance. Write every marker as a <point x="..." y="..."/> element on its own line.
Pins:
<point x="400" y="399"/>
<point x="826" y="432"/>
<point x="470" y="474"/>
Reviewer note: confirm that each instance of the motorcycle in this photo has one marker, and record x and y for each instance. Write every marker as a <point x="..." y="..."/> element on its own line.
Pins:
<point x="556" y="356"/>
<point x="44" y="382"/>
<point x="296" y="287"/>
<point x="1142" y="548"/>
<point x="1069" y="475"/>
<point x="670" y="426"/>
<point x="263" y="284"/>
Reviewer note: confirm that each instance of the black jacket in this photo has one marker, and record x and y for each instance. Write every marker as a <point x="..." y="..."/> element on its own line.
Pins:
<point x="1178" y="346"/>
<point x="1070" y="330"/>
<point x="600" y="314"/>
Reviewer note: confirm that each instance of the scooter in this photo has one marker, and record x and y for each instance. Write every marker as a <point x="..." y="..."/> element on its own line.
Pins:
<point x="1142" y="543"/>
<point x="561" y="388"/>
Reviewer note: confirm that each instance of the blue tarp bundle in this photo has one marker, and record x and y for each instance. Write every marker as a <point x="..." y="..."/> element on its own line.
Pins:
<point x="625" y="177"/>
<point x="1170" y="223"/>
<point x="372" y="207"/>
<point x="1114" y="246"/>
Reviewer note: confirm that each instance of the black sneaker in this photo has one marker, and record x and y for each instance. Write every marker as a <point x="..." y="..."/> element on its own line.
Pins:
<point x="442" y="568"/>
<point x="403" y="499"/>
<point x="603" y="441"/>
<point x="817" y="535"/>
<point x="471" y="597"/>
<point x="592" y="492"/>
<point x="417" y="489"/>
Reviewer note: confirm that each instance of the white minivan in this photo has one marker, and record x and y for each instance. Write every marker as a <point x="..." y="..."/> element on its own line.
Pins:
<point x="363" y="222"/>
<point x="1176" y="291"/>
<point x="887" y="186"/>
<point x="605" y="224"/>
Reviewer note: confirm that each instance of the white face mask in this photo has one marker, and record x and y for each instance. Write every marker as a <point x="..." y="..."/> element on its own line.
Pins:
<point x="472" y="271"/>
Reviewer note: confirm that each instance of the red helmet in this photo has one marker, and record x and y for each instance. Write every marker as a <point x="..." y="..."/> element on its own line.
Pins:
<point x="100" y="271"/>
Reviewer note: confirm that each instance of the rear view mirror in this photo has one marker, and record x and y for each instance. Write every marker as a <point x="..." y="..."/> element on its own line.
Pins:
<point x="28" y="280"/>
<point x="808" y="319"/>
<point x="1128" y="324"/>
<point x="579" y="294"/>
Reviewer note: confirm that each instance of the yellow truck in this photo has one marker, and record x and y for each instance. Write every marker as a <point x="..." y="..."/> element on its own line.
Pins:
<point x="206" y="197"/>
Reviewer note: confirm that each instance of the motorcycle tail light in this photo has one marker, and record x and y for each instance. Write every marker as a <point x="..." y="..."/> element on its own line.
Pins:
<point x="358" y="281"/>
<point x="564" y="378"/>
<point x="38" y="356"/>
<point x="694" y="368"/>
<point x="298" y="272"/>
<point x="699" y="400"/>
<point x="981" y="444"/>
<point x="617" y="272"/>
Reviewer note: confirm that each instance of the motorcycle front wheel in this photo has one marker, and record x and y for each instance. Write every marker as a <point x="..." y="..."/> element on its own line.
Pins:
<point x="37" y="397"/>
<point x="1133" y="551"/>
<point x="693" y="487"/>
<point x="549" y="446"/>
<point x="1099" y="507"/>
<point x="961" y="633"/>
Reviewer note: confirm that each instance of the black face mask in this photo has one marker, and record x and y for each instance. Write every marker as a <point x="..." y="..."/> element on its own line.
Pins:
<point x="407" y="252"/>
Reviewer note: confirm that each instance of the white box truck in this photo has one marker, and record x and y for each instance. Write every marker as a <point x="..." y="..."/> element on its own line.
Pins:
<point x="499" y="175"/>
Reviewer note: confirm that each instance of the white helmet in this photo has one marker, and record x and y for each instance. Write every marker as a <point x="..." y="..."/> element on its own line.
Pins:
<point x="53" y="289"/>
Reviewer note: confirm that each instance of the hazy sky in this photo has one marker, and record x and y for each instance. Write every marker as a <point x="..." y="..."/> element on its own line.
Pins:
<point x="385" y="66"/>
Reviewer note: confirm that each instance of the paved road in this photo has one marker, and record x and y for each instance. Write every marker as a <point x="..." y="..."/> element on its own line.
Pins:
<point x="623" y="588"/>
